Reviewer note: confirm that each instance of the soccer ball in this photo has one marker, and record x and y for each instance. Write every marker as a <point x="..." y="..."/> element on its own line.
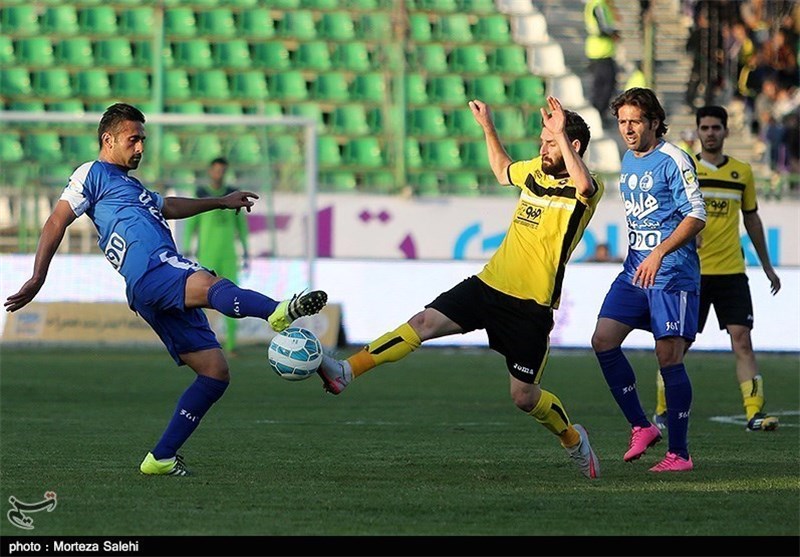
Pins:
<point x="295" y="354"/>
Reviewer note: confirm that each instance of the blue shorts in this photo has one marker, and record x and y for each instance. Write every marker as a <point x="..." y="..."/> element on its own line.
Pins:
<point x="159" y="298"/>
<point x="665" y="313"/>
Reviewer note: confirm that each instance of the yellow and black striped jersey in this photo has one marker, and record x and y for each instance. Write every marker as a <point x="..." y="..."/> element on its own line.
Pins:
<point x="549" y="221"/>
<point x="728" y="189"/>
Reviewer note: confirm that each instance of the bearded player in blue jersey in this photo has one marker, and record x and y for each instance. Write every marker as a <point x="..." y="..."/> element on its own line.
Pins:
<point x="164" y="288"/>
<point x="658" y="288"/>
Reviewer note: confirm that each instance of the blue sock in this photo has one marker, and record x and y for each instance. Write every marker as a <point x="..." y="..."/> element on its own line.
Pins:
<point x="230" y="300"/>
<point x="678" y="390"/>
<point x="622" y="383"/>
<point x="192" y="406"/>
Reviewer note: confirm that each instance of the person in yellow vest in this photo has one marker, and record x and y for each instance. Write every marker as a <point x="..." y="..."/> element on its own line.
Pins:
<point x="728" y="189"/>
<point x="600" y="49"/>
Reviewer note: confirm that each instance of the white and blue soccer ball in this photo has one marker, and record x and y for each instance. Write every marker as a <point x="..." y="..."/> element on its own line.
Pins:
<point x="295" y="354"/>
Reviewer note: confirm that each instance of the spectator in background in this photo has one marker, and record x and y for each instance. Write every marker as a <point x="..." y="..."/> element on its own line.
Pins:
<point x="601" y="49"/>
<point x="217" y="234"/>
<point x="602" y="254"/>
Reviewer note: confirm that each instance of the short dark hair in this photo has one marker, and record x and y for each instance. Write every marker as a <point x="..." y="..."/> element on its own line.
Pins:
<point x="646" y="101"/>
<point x="219" y="160"/>
<point x="713" y="112"/>
<point x="114" y="116"/>
<point x="577" y="128"/>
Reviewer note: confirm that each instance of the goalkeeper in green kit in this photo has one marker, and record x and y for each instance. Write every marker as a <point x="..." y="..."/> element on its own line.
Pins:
<point x="217" y="232"/>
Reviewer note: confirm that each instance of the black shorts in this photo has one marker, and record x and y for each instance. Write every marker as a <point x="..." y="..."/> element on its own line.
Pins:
<point x="730" y="296"/>
<point x="517" y="329"/>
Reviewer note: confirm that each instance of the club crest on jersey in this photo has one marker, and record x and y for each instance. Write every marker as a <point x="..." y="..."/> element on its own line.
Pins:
<point x="633" y="180"/>
<point x="688" y="175"/>
<point x="646" y="183"/>
<point x="735" y="175"/>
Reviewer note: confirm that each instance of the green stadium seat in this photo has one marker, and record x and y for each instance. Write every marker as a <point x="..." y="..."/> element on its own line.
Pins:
<point x="210" y="84"/>
<point x="15" y="82"/>
<point x="137" y="22"/>
<point x="181" y="179"/>
<point x="442" y="6"/>
<point x="336" y="26"/>
<point x="297" y="24"/>
<point x="289" y="86"/>
<point x="331" y="86"/>
<point x="98" y="20"/>
<point x="369" y="87"/>
<point x="461" y="123"/>
<point x="186" y="107"/>
<point x="363" y="152"/>
<point x="320" y="4"/>
<point x="328" y="152"/>
<point x="67" y="105"/>
<point x="469" y="59"/>
<point x="312" y="111"/>
<point x="179" y="22"/>
<point x="453" y="28"/>
<point x="228" y="109"/>
<point x="425" y="184"/>
<point x="349" y="119"/>
<point x="176" y="85"/>
<point x="375" y="26"/>
<point x="353" y="56"/>
<point x="528" y="89"/>
<point x="282" y="4"/>
<point x="493" y="29"/>
<point x="143" y="54"/>
<point x="233" y="54"/>
<point x="75" y="52"/>
<point x="447" y="89"/>
<point x="115" y="52"/>
<point x="419" y="28"/>
<point x="509" y="60"/>
<point x="313" y="55"/>
<point x="6" y="51"/>
<point x="245" y="149"/>
<point x="474" y="154"/>
<point x="193" y="54"/>
<point x="249" y="85"/>
<point x="412" y="153"/>
<point x="197" y="3"/>
<point x="380" y="182"/>
<point x="369" y="5"/>
<point x="93" y="83"/>
<point x="31" y="105"/>
<point x="80" y="148"/>
<point x="131" y="84"/>
<point x="273" y="56"/>
<point x="533" y="123"/>
<point x="381" y="119"/>
<point x="441" y="154"/>
<point x="217" y="23"/>
<point x="427" y="121"/>
<point x="203" y="147"/>
<point x="11" y="148"/>
<point x="53" y="83"/>
<point x="479" y="7"/>
<point x="44" y="147"/>
<point x="462" y="183"/>
<point x="509" y="123"/>
<point x="266" y="109"/>
<point x="339" y="181"/>
<point x="60" y="20"/>
<point x="34" y="52"/>
<point x="431" y="58"/>
<point x="522" y="150"/>
<point x="488" y="88"/>
<point x="283" y="148"/>
<point x="416" y="89"/>
<point x="20" y="20"/>
<point x="256" y="23"/>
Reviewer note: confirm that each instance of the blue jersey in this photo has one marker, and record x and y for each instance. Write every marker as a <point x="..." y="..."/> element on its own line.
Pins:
<point x="133" y="234"/>
<point x="659" y="190"/>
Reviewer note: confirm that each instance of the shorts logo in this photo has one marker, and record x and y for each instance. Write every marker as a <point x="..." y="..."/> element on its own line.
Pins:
<point x="523" y="369"/>
<point x="670" y="326"/>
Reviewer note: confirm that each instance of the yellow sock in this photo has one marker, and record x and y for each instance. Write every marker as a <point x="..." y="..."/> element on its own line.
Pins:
<point x="391" y="347"/>
<point x="551" y="414"/>
<point x="661" y="396"/>
<point x="752" y="396"/>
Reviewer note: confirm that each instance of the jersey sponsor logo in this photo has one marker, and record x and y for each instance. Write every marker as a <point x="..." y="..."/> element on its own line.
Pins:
<point x="115" y="250"/>
<point x="639" y="206"/>
<point x="643" y="240"/>
<point x="178" y="262"/>
<point x="717" y="207"/>
<point x="529" y="215"/>
<point x="633" y="181"/>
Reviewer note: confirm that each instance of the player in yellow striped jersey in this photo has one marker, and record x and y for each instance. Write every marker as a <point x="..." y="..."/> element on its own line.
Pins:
<point x="514" y="296"/>
<point x="729" y="189"/>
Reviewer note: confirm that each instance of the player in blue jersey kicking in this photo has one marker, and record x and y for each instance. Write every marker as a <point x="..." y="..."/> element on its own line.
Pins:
<point x="164" y="288"/>
<point x="658" y="288"/>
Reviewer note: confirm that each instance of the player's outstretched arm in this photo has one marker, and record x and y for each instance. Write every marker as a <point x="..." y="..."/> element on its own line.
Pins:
<point x="52" y="234"/>
<point x="498" y="157"/>
<point x="183" y="207"/>
<point x="554" y="119"/>
<point x="755" y="229"/>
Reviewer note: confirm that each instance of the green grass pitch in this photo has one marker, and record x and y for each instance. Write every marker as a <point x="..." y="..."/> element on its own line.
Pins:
<point x="430" y="446"/>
